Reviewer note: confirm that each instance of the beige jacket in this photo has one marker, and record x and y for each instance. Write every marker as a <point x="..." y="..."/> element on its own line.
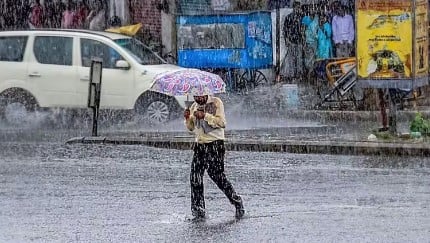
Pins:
<point x="211" y="128"/>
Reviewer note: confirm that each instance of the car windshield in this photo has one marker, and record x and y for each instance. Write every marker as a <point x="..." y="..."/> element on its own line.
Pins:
<point x="140" y="52"/>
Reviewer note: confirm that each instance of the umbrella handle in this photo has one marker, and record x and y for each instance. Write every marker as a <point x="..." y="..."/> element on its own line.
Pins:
<point x="188" y="103"/>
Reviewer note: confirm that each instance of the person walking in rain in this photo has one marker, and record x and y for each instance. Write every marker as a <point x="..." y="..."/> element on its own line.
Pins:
<point x="206" y="119"/>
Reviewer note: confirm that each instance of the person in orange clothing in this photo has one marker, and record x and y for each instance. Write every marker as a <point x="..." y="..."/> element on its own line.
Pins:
<point x="206" y="119"/>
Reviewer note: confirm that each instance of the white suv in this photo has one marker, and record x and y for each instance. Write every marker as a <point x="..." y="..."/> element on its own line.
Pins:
<point x="50" y="69"/>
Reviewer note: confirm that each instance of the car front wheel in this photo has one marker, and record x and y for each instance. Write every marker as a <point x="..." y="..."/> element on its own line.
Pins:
<point x="156" y="109"/>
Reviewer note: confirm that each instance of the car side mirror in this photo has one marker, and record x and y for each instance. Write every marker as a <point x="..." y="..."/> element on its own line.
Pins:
<point x="121" y="64"/>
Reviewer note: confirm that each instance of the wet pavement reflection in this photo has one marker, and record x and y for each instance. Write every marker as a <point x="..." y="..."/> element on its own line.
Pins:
<point x="51" y="192"/>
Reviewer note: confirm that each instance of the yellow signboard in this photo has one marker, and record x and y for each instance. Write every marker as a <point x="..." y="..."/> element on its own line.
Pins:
<point x="384" y="39"/>
<point x="421" y="38"/>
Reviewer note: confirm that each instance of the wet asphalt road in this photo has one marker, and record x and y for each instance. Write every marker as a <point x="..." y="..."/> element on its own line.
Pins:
<point x="51" y="192"/>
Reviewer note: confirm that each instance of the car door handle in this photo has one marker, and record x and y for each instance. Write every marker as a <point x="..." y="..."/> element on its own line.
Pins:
<point x="85" y="78"/>
<point x="35" y="74"/>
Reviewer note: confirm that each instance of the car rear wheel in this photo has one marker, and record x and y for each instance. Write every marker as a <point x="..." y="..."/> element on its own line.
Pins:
<point x="15" y="113"/>
<point x="17" y="106"/>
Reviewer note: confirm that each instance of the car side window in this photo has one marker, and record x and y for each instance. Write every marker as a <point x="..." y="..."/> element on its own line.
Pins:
<point x="54" y="50"/>
<point x="91" y="49"/>
<point x="12" y="48"/>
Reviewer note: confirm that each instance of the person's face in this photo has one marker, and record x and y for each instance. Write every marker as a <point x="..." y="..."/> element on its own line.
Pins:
<point x="98" y="5"/>
<point x="312" y="10"/>
<point x="201" y="100"/>
<point x="297" y="7"/>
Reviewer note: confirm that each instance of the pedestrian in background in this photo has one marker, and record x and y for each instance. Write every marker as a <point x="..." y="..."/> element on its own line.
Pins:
<point x="54" y="13"/>
<point x="22" y="13"/>
<point x="311" y="22"/>
<point x="343" y="32"/>
<point x="68" y="20"/>
<point x="325" y="47"/>
<point x="292" y="65"/>
<point x="36" y="15"/>
<point x="81" y="15"/>
<point x="206" y="119"/>
<point x="8" y="15"/>
<point x="97" y="18"/>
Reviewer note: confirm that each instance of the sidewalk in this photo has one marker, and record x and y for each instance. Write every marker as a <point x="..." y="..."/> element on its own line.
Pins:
<point x="272" y="100"/>
<point x="261" y="122"/>
<point x="294" y="137"/>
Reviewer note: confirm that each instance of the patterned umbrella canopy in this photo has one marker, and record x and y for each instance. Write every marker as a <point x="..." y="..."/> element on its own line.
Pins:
<point x="188" y="82"/>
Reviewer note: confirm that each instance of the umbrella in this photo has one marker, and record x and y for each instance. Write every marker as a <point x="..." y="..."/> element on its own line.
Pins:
<point x="188" y="82"/>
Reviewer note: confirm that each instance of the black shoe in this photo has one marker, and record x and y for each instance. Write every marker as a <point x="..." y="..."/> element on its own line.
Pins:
<point x="240" y="211"/>
<point x="198" y="214"/>
<point x="198" y="219"/>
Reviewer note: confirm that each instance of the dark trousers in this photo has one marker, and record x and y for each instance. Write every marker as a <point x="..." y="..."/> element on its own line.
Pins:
<point x="209" y="157"/>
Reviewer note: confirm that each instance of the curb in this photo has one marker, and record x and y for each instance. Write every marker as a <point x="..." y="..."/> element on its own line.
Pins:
<point x="338" y="116"/>
<point x="281" y="146"/>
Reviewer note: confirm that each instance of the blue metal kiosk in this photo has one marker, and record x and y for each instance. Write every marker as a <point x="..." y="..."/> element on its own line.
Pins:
<point x="228" y="42"/>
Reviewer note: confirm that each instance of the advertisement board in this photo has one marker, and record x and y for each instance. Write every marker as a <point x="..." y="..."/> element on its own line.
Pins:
<point x="384" y="44"/>
<point x="392" y="43"/>
<point x="421" y="38"/>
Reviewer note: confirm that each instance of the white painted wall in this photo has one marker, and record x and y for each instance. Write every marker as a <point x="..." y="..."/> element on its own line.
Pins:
<point x="168" y="30"/>
<point x="283" y="12"/>
<point x="121" y="9"/>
